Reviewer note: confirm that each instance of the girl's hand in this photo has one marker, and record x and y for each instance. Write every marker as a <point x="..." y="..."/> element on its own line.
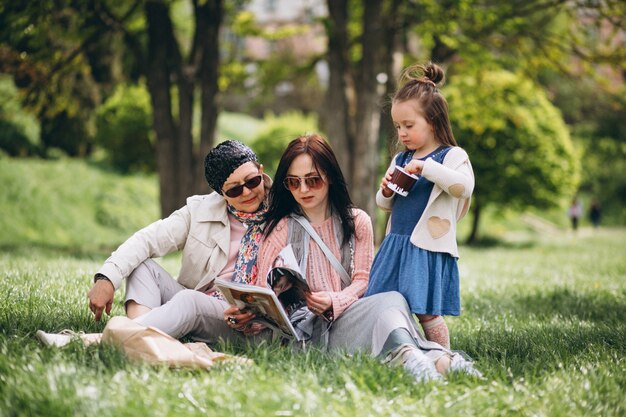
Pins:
<point x="318" y="302"/>
<point x="236" y="319"/>
<point x="415" y="166"/>
<point x="383" y="183"/>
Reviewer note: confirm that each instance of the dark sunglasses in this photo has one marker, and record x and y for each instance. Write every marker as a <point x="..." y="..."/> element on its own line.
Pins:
<point x="293" y="183"/>
<point x="238" y="189"/>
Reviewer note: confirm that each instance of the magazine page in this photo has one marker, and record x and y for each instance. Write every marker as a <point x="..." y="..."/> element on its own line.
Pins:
<point x="285" y="275"/>
<point x="263" y="302"/>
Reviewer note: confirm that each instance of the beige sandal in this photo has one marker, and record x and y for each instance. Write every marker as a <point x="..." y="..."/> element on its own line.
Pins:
<point x="64" y="337"/>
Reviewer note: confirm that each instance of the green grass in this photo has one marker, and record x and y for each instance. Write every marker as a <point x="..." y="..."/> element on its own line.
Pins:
<point x="71" y="205"/>
<point x="544" y="317"/>
<point x="545" y="321"/>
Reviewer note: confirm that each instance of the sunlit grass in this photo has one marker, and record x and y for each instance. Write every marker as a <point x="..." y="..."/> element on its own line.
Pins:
<point x="545" y="319"/>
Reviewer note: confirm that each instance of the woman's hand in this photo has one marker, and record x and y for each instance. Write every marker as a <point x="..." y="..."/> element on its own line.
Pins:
<point x="101" y="297"/>
<point x="415" y="166"/>
<point x="318" y="302"/>
<point x="383" y="183"/>
<point x="252" y="329"/>
<point x="236" y="319"/>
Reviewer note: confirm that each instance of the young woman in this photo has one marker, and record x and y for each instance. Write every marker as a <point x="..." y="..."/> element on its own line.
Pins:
<point x="311" y="210"/>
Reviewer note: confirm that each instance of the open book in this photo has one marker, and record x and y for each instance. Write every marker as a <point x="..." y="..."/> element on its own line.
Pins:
<point x="271" y="306"/>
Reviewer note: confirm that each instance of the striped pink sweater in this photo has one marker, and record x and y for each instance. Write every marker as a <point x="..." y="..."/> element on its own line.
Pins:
<point x="320" y="274"/>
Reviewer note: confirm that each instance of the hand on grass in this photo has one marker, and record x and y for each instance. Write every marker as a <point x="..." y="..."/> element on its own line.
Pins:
<point x="101" y="298"/>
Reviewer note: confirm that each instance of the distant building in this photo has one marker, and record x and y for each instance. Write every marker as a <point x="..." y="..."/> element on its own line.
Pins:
<point x="300" y="15"/>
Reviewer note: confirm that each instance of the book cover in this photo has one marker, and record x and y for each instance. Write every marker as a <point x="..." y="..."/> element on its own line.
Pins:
<point x="271" y="306"/>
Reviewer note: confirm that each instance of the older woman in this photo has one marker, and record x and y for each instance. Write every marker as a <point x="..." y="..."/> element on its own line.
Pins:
<point x="218" y="235"/>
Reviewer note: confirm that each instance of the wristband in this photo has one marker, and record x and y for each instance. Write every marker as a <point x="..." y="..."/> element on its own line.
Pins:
<point x="100" y="277"/>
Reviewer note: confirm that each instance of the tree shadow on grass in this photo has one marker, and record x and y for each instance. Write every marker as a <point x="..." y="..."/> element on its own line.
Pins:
<point x="541" y="348"/>
<point x="488" y="242"/>
<point x="597" y="306"/>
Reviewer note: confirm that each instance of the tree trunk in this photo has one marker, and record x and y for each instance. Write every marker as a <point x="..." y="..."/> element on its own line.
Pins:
<point x="394" y="51"/>
<point x="160" y="35"/>
<point x="335" y="119"/>
<point x="441" y="52"/>
<point x="209" y="21"/>
<point x="180" y="163"/>
<point x="476" y="217"/>
<point x="367" y="120"/>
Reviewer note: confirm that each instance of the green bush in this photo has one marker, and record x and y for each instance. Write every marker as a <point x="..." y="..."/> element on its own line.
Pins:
<point x="19" y="130"/>
<point x="518" y="143"/>
<point x="71" y="133"/>
<point x="237" y="126"/>
<point x="276" y="133"/>
<point x="124" y="129"/>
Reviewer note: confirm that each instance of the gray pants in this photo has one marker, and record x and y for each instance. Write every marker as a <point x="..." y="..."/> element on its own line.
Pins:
<point x="179" y="311"/>
<point x="370" y="324"/>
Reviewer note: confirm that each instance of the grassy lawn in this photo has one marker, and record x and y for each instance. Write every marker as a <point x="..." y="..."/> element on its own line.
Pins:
<point x="545" y="319"/>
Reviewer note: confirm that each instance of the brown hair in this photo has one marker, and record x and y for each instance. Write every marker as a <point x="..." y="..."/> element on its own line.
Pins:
<point x="419" y="82"/>
<point x="283" y="204"/>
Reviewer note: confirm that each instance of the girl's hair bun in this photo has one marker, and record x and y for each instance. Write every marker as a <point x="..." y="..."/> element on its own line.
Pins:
<point x="429" y="73"/>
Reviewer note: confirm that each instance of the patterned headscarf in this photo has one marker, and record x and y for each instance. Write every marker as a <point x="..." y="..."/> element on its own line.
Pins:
<point x="245" y="266"/>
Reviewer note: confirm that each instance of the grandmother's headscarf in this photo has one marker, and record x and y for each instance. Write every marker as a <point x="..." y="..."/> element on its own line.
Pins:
<point x="223" y="160"/>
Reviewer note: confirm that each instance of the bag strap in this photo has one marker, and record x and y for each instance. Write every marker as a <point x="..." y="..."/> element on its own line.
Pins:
<point x="343" y="274"/>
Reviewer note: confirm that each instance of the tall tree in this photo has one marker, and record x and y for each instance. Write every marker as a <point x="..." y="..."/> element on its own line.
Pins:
<point x="179" y="162"/>
<point x="351" y="114"/>
<point x="463" y="35"/>
<point x="50" y="45"/>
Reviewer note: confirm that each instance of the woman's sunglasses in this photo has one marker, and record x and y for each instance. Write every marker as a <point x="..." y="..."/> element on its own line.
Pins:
<point x="238" y="189"/>
<point x="293" y="183"/>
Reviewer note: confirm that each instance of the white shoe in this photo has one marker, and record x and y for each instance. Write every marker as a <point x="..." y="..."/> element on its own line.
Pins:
<point x="415" y="362"/>
<point x="422" y="368"/>
<point x="66" y="336"/>
<point x="459" y="364"/>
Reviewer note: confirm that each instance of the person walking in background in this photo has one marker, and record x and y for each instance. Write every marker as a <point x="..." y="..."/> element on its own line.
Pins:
<point x="574" y="212"/>
<point x="418" y="256"/>
<point x="595" y="212"/>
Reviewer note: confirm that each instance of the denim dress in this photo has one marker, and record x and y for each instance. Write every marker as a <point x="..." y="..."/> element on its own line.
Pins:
<point x="428" y="280"/>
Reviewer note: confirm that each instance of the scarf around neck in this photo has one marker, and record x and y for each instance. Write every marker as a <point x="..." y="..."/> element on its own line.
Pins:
<point x="245" y="265"/>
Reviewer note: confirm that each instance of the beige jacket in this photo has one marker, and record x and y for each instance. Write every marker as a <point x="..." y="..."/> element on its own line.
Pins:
<point x="201" y="229"/>
<point x="449" y="201"/>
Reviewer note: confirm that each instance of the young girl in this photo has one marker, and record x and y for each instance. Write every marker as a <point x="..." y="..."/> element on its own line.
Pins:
<point x="418" y="257"/>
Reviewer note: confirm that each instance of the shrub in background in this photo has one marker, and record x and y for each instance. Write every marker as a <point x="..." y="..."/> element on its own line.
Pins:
<point x="19" y="130"/>
<point x="276" y="133"/>
<point x="519" y="145"/>
<point x="124" y="130"/>
<point x="70" y="133"/>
